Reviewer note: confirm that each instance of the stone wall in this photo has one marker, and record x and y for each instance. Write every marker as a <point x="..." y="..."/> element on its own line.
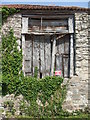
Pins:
<point x="81" y="29"/>
<point x="77" y="93"/>
<point x="82" y="54"/>
<point x="13" y="22"/>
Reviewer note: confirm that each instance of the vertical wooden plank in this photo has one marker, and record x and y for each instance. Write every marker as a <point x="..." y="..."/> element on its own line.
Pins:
<point x="42" y="61"/>
<point x="41" y="23"/>
<point x="23" y="53"/>
<point x="57" y="62"/>
<point x="60" y="51"/>
<point x="53" y="55"/>
<point x="60" y="45"/>
<point x="32" y="37"/>
<point x="71" y="30"/>
<point x="47" y="55"/>
<point x="71" y="55"/>
<point x="65" y="59"/>
<point x="36" y="53"/>
<point x="28" y="54"/>
<point x="70" y="25"/>
<point x="66" y="44"/>
<point x="57" y="46"/>
<point x="24" y="24"/>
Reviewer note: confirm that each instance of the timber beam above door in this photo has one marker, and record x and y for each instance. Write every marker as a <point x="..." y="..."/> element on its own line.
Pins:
<point x="47" y="25"/>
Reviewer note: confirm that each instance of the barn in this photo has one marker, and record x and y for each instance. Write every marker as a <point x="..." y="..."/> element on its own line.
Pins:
<point x="55" y="38"/>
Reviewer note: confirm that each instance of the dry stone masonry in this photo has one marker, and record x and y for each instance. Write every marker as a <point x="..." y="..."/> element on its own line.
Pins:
<point x="13" y="22"/>
<point x="77" y="94"/>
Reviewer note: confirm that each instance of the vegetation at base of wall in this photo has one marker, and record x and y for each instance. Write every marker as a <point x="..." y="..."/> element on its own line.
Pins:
<point x="63" y="114"/>
<point x="43" y="88"/>
<point x="45" y="96"/>
<point x="81" y="116"/>
<point x="11" y="63"/>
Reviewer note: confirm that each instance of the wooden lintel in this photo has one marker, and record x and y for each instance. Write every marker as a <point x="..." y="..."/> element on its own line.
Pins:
<point x="46" y="33"/>
<point x="47" y="16"/>
<point x="47" y="12"/>
<point x="38" y="33"/>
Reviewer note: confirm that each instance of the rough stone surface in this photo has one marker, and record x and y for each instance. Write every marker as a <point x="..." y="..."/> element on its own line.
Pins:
<point x="77" y="90"/>
<point x="16" y="104"/>
<point x="14" y="22"/>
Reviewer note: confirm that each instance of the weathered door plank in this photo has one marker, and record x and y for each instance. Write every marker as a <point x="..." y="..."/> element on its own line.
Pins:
<point x="28" y="55"/>
<point x="53" y="55"/>
<point x="36" y="53"/>
<point x="24" y="24"/>
<point x="47" y="55"/>
<point x="42" y="60"/>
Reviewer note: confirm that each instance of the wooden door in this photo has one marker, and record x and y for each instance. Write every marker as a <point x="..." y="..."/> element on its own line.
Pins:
<point x="62" y="56"/>
<point x="37" y="54"/>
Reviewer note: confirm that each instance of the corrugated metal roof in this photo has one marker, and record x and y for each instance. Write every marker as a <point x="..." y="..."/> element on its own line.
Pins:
<point x="40" y="7"/>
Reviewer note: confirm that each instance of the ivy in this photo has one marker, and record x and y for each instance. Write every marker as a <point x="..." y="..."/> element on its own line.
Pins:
<point x="11" y="63"/>
<point x="6" y="12"/>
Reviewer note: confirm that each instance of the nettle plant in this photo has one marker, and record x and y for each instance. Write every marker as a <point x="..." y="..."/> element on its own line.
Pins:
<point x="11" y="63"/>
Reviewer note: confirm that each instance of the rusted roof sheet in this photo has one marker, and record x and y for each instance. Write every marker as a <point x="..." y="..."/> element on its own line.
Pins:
<point x="39" y="7"/>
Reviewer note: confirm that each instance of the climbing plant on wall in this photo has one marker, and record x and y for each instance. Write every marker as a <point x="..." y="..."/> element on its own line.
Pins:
<point x="6" y="12"/>
<point x="11" y="62"/>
